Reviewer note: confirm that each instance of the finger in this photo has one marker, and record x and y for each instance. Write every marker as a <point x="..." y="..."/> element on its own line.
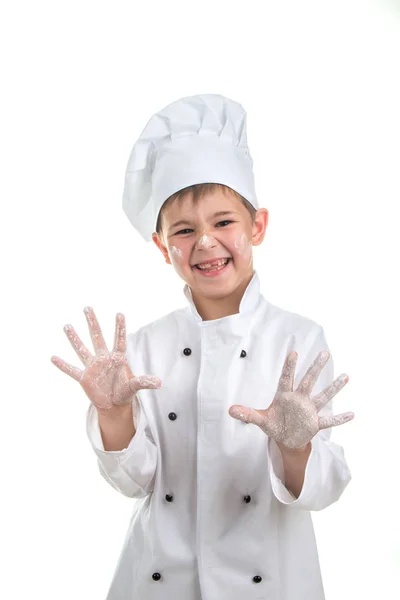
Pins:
<point x="144" y="382"/>
<point x="307" y="383"/>
<point x="326" y="422"/>
<point x="131" y="387"/>
<point x="120" y="334"/>
<point x="328" y="393"/>
<point x="78" y="345"/>
<point x="70" y="370"/>
<point x="287" y="377"/>
<point x="99" y="344"/>
<point x="246" y="415"/>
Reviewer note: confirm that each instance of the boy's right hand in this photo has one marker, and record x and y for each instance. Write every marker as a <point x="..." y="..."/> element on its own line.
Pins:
<point x="107" y="378"/>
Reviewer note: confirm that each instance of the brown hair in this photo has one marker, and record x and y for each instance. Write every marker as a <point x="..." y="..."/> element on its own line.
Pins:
<point x="197" y="191"/>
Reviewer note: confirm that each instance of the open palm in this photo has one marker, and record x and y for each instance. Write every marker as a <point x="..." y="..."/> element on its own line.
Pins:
<point x="107" y="378"/>
<point x="292" y="418"/>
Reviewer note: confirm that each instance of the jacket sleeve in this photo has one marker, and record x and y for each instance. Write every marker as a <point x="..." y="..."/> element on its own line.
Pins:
<point x="327" y="473"/>
<point x="130" y="471"/>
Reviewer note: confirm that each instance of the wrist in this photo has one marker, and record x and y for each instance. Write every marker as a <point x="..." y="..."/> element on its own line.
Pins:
<point x="115" y="411"/>
<point x="294" y="451"/>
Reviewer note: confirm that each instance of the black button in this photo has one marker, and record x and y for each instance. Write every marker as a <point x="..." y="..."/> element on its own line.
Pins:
<point x="243" y="354"/>
<point x="247" y="499"/>
<point x="156" y="576"/>
<point x="257" y="579"/>
<point x="172" y="416"/>
<point x="187" y="352"/>
<point x="168" y="498"/>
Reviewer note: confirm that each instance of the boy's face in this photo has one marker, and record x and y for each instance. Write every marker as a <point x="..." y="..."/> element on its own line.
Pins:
<point x="204" y="237"/>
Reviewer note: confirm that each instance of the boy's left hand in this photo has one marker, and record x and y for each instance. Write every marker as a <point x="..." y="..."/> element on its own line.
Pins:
<point x="292" y="418"/>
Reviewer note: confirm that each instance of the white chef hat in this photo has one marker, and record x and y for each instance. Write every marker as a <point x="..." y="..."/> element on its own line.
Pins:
<point x="197" y="139"/>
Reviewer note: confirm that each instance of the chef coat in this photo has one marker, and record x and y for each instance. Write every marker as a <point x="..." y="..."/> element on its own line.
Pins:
<point x="214" y="520"/>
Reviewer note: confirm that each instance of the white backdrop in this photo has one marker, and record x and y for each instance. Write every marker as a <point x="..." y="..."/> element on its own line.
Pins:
<point x="320" y="83"/>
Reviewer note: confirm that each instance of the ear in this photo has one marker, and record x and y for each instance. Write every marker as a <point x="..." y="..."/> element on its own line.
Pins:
<point x="159" y="242"/>
<point x="259" y="227"/>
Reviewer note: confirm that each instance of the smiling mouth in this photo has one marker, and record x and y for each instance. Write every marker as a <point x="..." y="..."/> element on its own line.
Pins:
<point x="212" y="267"/>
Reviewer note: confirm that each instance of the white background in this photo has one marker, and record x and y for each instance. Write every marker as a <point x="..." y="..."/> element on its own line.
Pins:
<point x="320" y="83"/>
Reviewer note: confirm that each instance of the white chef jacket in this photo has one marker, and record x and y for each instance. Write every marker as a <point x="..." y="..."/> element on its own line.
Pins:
<point x="215" y="520"/>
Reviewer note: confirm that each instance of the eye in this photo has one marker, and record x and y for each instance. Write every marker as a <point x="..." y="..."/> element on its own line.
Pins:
<point x="224" y="222"/>
<point x="183" y="230"/>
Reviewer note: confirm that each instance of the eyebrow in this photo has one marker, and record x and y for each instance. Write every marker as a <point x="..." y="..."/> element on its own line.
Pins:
<point x="220" y="213"/>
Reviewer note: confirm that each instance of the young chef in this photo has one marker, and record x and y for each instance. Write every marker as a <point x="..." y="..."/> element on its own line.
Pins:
<point x="227" y="444"/>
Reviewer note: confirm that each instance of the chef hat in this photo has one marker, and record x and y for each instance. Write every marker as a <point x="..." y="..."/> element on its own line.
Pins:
<point x="197" y="139"/>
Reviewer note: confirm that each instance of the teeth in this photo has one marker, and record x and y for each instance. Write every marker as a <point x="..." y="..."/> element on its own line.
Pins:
<point x="218" y="263"/>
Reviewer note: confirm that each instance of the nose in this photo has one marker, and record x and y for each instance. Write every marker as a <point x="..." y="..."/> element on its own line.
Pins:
<point x="205" y="241"/>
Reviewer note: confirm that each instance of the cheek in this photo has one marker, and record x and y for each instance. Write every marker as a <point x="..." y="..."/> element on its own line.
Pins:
<point x="242" y="246"/>
<point x="177" y="256"/>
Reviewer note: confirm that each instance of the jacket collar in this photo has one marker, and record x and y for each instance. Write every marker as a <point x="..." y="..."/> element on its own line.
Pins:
<point x="237" y="322"/>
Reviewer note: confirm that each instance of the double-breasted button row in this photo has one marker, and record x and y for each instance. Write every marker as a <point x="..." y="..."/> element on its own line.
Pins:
<point x="169" y="498"/>
<point x="256" y="578"/>
<point x="188" y="352"/>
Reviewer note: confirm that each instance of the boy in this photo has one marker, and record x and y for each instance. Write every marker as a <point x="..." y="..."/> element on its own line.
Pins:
<point x="228" y="445"/>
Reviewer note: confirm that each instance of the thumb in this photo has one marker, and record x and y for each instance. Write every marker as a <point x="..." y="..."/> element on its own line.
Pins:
<point x="244" y="414"/>
<point x="144" y="382"/>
